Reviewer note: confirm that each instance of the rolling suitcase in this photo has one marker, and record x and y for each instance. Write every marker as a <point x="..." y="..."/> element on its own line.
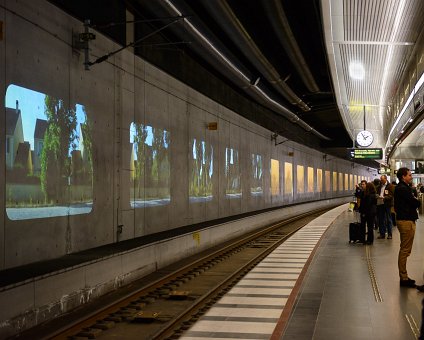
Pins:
<point x="355" y="232"/>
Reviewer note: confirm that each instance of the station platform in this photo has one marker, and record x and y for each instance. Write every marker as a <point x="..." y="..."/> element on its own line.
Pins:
<point x="318" y="286"/>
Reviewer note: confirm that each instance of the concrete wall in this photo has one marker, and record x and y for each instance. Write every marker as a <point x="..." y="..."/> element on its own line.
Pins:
<point x="29" y="303"/>
<point x="2" y="141"/>
<point x="36" y="53"/>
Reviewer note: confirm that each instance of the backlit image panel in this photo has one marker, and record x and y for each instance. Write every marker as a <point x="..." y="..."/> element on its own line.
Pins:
<point x="275" y="177"/>
<point x="334" y="181"/>
<point x="340" y="181"/>
<point x="350" y="182"/>
<point x="327" y="181"/>
<point x="150" y="164"/>
<point x="201" y="171"/>
<point x="288" y="178"/>
<point x="310" y="179"/>
<point x="300" y="179"/>
<point x="232" y="173"/>
<point x="346" y="181"/>
<point x="256" y="187"/>
<point x="49" y="160"/>
<point x="319" y="180"/>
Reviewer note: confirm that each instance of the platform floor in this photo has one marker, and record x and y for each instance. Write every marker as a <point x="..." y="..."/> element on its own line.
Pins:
<point x="318" y="286"/>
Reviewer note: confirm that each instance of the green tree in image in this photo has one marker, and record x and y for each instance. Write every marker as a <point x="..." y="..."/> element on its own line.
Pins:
<point x="195" y="169"/>
<point x="160" y="169"/>
<point x="86" y="129"/>
<point x="201" y="166"/>
<point x="232" y="171"/>
<point x="256" y="173"/>
<point x="140" y="147"/>
<point x="208" y="154"/>
<point x="59" y="139"/>
<point x="200" y="173"/>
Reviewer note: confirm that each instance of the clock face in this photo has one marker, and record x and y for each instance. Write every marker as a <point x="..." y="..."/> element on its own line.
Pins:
<point x="364" y="138"/>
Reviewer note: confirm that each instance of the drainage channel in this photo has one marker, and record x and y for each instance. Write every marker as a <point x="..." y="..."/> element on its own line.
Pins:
<point x="374" y="284"/>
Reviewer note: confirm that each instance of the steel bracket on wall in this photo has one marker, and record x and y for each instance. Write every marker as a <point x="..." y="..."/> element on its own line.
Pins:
<point x="274" y="137"/>
<point x="80" y="41"/>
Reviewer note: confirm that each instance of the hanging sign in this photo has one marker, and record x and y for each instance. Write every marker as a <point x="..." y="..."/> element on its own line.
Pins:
<point x="365" y="153"/>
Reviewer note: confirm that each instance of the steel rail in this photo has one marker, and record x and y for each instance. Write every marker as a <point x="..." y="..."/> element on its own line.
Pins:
<point x="86" y="321"/>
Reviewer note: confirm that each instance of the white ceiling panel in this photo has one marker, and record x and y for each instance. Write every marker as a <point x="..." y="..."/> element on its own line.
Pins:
<point x="369" y="43"/>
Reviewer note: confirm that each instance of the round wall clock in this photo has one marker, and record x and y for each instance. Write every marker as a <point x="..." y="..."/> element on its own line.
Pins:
<point x="364" y="138"/>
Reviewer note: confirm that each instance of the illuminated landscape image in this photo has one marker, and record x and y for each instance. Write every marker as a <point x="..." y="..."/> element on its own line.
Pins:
<point x="200" y="185"/>
<point x="256" y="188"/>
<point x="232" y="173"/>
<point x="49" y="163"/>
<point x="150" y="166"/>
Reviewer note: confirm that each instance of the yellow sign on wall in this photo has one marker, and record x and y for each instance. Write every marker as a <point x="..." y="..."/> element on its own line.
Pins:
<point x="196" y="237"/>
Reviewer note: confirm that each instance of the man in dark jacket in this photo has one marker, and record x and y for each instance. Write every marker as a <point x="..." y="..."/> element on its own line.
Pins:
<point x="406" y="214"/>
<point x="385" y="192"/>
<point x="359" y="192"/>
<point x="368" y="210"/>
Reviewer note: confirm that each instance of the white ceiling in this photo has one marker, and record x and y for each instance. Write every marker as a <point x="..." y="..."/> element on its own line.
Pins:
<point x="368" y="44"/>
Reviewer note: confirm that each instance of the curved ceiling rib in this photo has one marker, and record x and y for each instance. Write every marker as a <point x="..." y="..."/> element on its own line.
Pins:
<point x="250" y="85"/>
<point x="278" y="20"/>
<point x="227" y="19"/>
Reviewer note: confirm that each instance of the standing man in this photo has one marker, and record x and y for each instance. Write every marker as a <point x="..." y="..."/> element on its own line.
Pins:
<point x="376" y="182"/>
<point x="421" y="337"/>
<point x="359" y="191"/>
<point x="385" y="193"/>
<point x="359" y="194"/>
<point x="406" y="214"/>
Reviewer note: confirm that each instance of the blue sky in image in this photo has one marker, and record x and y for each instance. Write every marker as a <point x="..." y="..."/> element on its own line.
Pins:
<point x="31" y="104"/>
<point x="149" y="138"/>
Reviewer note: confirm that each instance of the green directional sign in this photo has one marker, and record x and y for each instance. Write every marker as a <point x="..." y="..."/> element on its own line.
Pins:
<point x="365" y="153"/>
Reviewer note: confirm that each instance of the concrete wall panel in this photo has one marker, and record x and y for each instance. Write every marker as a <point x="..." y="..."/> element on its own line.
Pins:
<point x="2" y="143"/>
<point x="180" y="158"/>
<point x="115" y="93"/>
<point x="54" y="288"/>
<point x="16" y="301"/>
<point x="212" y="139"/>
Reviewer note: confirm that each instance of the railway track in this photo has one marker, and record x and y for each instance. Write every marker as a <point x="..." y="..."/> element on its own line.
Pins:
<point x="167" y="307"/>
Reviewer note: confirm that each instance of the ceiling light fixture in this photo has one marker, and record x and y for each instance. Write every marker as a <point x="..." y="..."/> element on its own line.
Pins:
<point x="356" y="70"/>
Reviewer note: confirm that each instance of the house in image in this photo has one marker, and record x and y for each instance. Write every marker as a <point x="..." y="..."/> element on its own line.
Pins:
<point x="23" y="160"/>
<point x="14" y="134"/>
<point x="39" y="132"/>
